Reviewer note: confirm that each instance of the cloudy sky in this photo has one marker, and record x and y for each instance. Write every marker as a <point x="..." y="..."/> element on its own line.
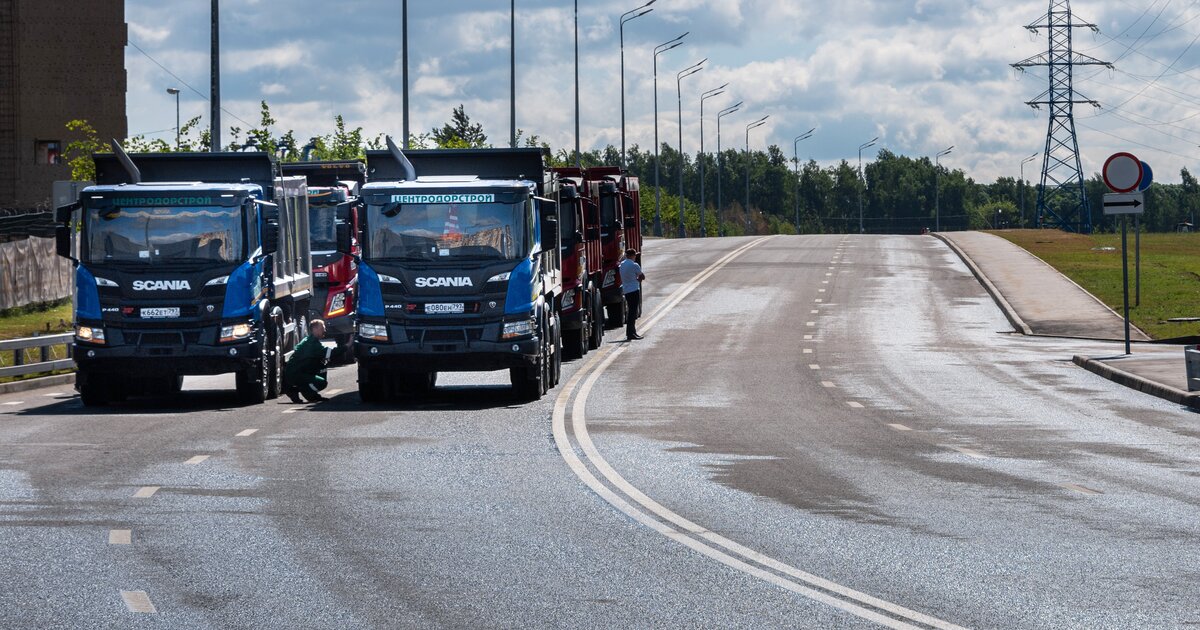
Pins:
<point x="921" y="74"/>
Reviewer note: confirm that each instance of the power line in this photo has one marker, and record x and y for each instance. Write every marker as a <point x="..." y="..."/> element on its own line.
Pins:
<point x="185" y="83"/>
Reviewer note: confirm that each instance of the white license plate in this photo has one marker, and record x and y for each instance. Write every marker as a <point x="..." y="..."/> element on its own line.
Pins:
<point x="445" y="309"/>
<point x="160" y="313"/>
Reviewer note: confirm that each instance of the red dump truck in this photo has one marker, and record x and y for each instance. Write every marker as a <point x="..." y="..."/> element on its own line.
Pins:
<point x="616" y="195"/>
<point x="582" y="305"/>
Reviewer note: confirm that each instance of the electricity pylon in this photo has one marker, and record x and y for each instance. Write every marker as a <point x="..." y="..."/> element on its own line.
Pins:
<point x="1062" y="197"/>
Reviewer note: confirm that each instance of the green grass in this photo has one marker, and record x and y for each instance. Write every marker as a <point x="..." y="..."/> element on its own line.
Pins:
<point x="1170" y="273"/>
<point x="23" y="322"/>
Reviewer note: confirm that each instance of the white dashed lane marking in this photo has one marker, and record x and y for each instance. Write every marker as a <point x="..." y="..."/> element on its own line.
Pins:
<point x="814" y="366"/>
<point x="969" y="452"/>
<point x="855" y="405"/>
<point x="145" y="492"/>
<point x="198" y="459"/>
<point x="899" y="427"/>
<point x="828" y="384"/>
<point x="120" y="537"/>
<point x="247" y="433"/>
<point x="808" y="337"/>
<point x="292" y="410"/>
<point x="811" y="324"/>
<point x="808" y="351"/>
<point x="138" y="602"/>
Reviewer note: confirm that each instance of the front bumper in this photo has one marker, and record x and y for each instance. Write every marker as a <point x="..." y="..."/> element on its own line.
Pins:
<point x="167" y="360"/>
<point x="447" y="356"/>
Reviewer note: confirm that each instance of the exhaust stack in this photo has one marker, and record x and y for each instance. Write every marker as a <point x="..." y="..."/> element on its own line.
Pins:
<point x="135" y="175"/>
<point x="410" y="173"/>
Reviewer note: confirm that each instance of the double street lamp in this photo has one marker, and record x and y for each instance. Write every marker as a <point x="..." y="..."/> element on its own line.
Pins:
<point x="628" y="16"/>
<point x="758" y="123"/>
<point x="862" y="183"/>
<point x="658" y="50"/>
<point x="796" y="157"/>
<point x="175" y="92"/>
<point x="937" y="188"/>
<point x="703" y="97"/>
<point x="720" y="167"/>
<point x="686" y="72"/>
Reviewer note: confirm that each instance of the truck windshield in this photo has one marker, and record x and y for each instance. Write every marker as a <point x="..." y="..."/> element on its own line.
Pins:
<point x="150" y="235"/>
<point x="501" y="231"/>
<point x="322" y="227"/>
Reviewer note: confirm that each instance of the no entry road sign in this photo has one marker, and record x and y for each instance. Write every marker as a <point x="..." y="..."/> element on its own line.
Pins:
<point x="1134" y="203"/>
<point x="1123" y="173"/>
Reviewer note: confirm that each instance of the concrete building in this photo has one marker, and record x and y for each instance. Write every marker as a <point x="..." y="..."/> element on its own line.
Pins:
<point x="59" y="60"/>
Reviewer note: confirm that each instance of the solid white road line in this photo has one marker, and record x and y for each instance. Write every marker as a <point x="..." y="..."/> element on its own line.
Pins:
<point x="198" y="459"/>
<point x="145" y="492"/>
<point x="120" y="537"/>
<point x="246" y="433"/>
<point x="138" y="602"/>
<point x="686" y="532"/>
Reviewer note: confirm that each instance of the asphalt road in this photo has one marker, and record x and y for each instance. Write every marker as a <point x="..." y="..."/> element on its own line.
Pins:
<point x="817" y="432"/>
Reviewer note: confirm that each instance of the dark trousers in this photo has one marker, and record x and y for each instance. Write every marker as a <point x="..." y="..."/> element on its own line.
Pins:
<point x="634" y="302"/>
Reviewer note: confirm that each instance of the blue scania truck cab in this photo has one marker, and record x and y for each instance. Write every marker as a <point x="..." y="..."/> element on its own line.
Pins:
<point x="460" y="270"/>
<point x="186" y="264"/>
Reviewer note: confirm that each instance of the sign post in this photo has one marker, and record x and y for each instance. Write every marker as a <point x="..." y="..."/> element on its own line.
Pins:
<point x="1124" y="174"/>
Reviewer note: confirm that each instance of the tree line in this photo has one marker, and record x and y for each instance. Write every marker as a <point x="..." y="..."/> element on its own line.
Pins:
<point x="895" y="194"/>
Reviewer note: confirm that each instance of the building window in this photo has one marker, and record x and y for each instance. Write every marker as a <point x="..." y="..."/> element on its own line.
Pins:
<point x="48" y="152"/>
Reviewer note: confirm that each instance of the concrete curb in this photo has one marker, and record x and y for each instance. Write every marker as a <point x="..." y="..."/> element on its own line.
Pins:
<point x="1010" y="313"/>
<point x="1133" y="381"/>
<point x="30" y="384"/>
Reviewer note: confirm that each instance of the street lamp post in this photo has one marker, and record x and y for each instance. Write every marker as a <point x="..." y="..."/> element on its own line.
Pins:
<point x="937" y="188"/>
<point x="862" y="184"/>
<point x="512" y="74"/>
<point x="404" y="70"/>
<point x="578" y="158"/>
<point x="703" y="97"/>
<point x="758" y="123"/>
<point x="796" y="157"/>
<point x="628" y="16"/>
<point x="175" y="92"/>
<point x="686" y="72"/>
<point x="214" y="116"/>
<point x="658" y="50"/>
<point x="1022" y="186"/>
<point x="720" y="166"/>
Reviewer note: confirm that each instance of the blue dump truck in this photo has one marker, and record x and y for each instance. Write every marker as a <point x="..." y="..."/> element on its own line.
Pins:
<point x="333" y="191"/>
<point x="186" y="264"/>
<point x="460" y="270"/>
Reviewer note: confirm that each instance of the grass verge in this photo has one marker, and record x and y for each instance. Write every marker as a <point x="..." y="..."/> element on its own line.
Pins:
<point x="42" y="319"/>
<point x="1170" y="273"/>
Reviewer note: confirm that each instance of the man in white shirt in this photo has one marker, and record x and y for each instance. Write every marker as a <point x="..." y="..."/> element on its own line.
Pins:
<point x="631" y="284"/>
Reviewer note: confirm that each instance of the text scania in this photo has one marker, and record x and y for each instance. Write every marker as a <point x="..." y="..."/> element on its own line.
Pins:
<point x="161" y="285"/>
<point x="430" y="283"/>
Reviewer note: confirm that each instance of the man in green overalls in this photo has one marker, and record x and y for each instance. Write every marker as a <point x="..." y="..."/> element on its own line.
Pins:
<point x="304" y="374"/>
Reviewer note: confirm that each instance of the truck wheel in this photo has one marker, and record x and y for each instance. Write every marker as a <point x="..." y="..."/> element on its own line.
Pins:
<point x="346" y="344"/>
<point x="597" y="339"/>
<point x="254" y="381"/>
<point x="92" y="392"/>
<point x="575" y="342"/>
<point x="371" y="385"/>
<point x="527" y="382"/>
<point x="419" y="383"/>
<point x="275" y="382"/>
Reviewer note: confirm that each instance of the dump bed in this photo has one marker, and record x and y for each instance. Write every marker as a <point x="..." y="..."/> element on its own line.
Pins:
<point x="210" y="168"/>
<point x="503" y="164"/>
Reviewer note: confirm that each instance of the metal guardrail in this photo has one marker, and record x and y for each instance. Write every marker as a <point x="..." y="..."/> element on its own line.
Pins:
<point x="44" y="359"/>
<point x="1193" y="368"/>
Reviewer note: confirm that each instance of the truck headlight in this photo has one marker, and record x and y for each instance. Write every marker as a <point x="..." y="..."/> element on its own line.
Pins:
<point x="610" y="278"/>
<point x="523" y="328"/>
<point x="236" y="332"/>
<point x="216" y="282"/>
<point x="501" y="277"/>
<point x="337" y="305"/>
<point x="89" y="335"/>
<point x="374" y="332"/>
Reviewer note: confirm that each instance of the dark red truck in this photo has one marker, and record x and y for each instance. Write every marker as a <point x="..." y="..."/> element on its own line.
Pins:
<point x="582" y="307"/>
<point x="617" y="196"/>
<point x="333" y="190"/>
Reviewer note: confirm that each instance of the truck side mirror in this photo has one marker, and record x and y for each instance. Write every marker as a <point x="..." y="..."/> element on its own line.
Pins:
<point x="62" y="241"/>
<point x="550" y="235"/>
<point x="270" y="238"/>
<point x="344" y="241"/>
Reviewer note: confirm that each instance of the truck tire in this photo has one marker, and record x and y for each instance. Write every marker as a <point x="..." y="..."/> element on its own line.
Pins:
<point x="371" y="385"/>
<point x="92" y="392"/>
<point x="254" y="382"/>
<point x="275" y="384"/>
<point x="418" y="384"/>
<point x="527" y="382"/>
<point x="617" y="313"/>
<point x="575" y="342"/>
<point x="597" y="310"/>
